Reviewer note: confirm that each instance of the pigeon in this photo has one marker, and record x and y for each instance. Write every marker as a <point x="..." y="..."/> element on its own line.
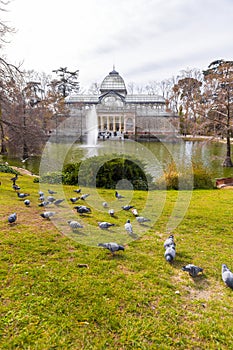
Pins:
<point x="118" y="195"/>
<point x="227" y="276"/>
<point x="74" y="224"/>
<point x="192" y="269"/>
<point x="41" y="194"/>
<point x="41" y="198"/>
<point x="51" y="199"/>
<point x="169" y="242"/>
<point x="170" y="253"/>
<point x="51" y="192"/>
<point x="84" y="196"/>
<point x="15" y="187"/>
<point x="57" y="202"/>
<point x="112" y="246"/>
<point x="141" y="219"/>
<point x="127" y="207"/>
<point x="78" y="190"/>
<point x="74" y="199"/>
<point x="129" y="227"/>
<point x="23" y="160"/>
<point x="47" y="214"/>
<point x="22" y="195"/>
<point x="105" y="204"/>
<point x="14" y="179"/>
<point x="12" y="218"/>
<point x="105" y="225"/>
<point x="44" y="204"/>
<point x="27" y="202"/>
<point x="135" y="212"/>
<point x="111" y="212"/>
<point x="82" y="209"/>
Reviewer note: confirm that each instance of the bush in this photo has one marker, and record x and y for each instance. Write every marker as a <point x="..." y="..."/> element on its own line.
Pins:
<point x="202" y="178"/>
<point x="106" y="171"/>
<point x="4" y="168"/>
<point x="198" y="178"/>
<point x="51" y="178"/>
<point x="70" y="174"/>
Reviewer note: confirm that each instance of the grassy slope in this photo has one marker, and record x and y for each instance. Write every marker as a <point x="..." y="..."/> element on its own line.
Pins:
<point x="134" y="300"/>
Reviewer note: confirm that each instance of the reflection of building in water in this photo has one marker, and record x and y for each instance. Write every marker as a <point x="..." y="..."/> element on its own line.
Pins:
<point x="121" y="115"/>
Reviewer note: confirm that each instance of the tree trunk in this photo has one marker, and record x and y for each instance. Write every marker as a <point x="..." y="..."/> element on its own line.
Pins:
<point x="227" y="162"/>
<point x="25" y="150"/>
<point x="3" y="148"/>
<point x="3" y="144"/>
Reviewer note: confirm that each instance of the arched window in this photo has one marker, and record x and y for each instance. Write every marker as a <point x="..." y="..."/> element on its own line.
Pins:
<point x="129" y="124"/>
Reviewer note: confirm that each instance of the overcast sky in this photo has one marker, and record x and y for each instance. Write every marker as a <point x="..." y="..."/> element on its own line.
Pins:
<point x="146" y="40"/>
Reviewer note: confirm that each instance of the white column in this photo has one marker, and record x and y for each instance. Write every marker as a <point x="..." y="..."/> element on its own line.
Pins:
<point x="102" y="124"/>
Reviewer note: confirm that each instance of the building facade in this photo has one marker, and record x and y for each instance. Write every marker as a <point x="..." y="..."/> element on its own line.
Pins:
<point x="122" y="115"/>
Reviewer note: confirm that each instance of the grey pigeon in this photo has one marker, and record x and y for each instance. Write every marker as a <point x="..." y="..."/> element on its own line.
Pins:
<point x="127" y="207"/>
<point x="105" y="225"/>
<point x="14" y="179"/>
<point x="169" y="242"/>
<point x="41" y="193"/>
<point x="78" y="190"/>
<point x="105" y="204"/>
<point x="47" y="214"/>
<point x="227" y="276"/>
<point x="129" y="227"/>
<point x="141" y="219"/>
<point x="27" y="202"/>
<point x="170" y="253"/>
<point x="74" y="199"/>
<point x="12" y="218"/>
<point x="22" y="195"/>
<point x="82" y="209"/>
<point x="15" y="187"/>
<point x="84" y="196"/>
<point x="44" y="204"/>
<point x="74" y="224"/>
<point x="112" y="246"/>
<point x="192" y="269"/>
<point x="111" y="212"/>
<point x="118" y="195"/>
<point x="51" y="192"/>
<point x="57" y="202"/>
<point x="51" y="199"/>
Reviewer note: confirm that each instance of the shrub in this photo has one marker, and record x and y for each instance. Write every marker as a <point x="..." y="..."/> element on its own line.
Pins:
<point x="70" y="174"/>
<point x="4" y="168"/>
<point x="201" y="177"/>
<point x="198" y="178"/>
<point x="51" y="178"/>
<point x="106" y="171"/>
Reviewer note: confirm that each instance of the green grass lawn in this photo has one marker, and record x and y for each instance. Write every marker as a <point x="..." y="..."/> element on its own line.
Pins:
<point x="133" y="300"/>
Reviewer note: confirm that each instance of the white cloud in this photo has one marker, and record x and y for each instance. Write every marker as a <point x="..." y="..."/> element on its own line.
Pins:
<point x="145" y="39"/>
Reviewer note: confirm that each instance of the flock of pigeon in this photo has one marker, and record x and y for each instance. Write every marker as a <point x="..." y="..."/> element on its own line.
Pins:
<point x="113" y="247"/>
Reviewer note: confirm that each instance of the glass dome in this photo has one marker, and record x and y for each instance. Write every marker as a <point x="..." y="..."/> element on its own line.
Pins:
<point x="113" y="82"/>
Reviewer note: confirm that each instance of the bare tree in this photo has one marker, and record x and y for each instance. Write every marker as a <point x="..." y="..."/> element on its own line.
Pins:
<point x="4" y="28"/>
<point x="218" y="97"/>
<point x="94" y="89"/>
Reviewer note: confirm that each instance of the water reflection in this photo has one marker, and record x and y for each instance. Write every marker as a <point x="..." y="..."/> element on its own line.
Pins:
<point x="155" y="154"/>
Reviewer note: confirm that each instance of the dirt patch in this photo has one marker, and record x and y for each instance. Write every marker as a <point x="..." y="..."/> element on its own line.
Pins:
<point x="198" y="288"/>
<point x="23" y="171"/>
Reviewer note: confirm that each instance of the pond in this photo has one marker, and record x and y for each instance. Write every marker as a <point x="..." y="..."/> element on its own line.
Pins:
<point x="154" y="154"/>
